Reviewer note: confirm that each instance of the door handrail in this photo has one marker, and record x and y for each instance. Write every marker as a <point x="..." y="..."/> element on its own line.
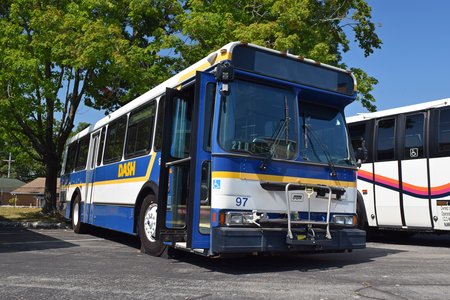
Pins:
<point x="177" y="162"/>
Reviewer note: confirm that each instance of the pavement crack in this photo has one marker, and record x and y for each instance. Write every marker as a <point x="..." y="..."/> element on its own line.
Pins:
<point x="198" y="297"/>
<point x="368" y="286"/>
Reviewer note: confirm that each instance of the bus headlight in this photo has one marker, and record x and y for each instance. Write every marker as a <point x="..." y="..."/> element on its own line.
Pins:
<point x="238" y="218"/>
<point x="347" y="220"/>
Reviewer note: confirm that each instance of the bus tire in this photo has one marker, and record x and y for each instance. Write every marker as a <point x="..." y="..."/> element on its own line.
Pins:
<point x="77" y="225"/>
<point x="361" y="213"/>
<point x="147" y="227"/>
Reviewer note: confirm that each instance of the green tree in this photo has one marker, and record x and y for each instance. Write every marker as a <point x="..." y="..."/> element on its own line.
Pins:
<point x="317" y="29"/>
<point x="56" y="54"/>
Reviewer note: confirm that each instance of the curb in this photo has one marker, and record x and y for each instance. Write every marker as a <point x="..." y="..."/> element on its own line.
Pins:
<point x="34" y="225"/>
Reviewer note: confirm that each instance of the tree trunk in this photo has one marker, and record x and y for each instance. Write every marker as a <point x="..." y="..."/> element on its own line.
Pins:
<point x="50" y="186"/>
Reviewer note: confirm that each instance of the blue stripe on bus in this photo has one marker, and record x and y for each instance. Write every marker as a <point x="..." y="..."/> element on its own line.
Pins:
<point x="115" y="217"/>
<point x="251" y="165"/>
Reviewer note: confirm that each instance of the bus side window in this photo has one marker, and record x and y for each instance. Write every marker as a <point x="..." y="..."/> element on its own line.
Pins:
<point x="70" y="160"/>
<point x="83" y="149"/>
<point x="115" y="140"/>
<point x="444" y="130"/>
<point x="386" y="139"/>
<point x="140" y="130"/>
<point x="159" y="125"/>
<point x="414" y="136"/>
<point x="209" y="113"/>
<point x="358" y="138"/>
<point x="100" y="149"/>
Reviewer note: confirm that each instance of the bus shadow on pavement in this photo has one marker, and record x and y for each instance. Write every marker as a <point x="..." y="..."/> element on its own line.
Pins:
<point x="430" y="239"/>
<point x="22" y="240"/>
<point x="115" y="236"/>
<point x="290" y="262"/>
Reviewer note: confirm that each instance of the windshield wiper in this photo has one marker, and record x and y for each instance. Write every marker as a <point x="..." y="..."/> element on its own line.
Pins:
<point x="310" y="133"/>
<point x="284" y="127"/>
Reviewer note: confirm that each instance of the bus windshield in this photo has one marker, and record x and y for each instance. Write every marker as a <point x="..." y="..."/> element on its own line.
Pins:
<point x="323" y="135"/>
<point x="259" y="120"/>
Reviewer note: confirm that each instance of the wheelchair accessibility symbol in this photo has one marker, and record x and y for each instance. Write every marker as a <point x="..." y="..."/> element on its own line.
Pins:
<point x="216" y="184"/>
<point x="414" y="152"/>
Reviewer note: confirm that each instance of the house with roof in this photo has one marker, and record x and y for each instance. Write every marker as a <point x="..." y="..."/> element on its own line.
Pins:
<point x="7" y="185"/>
<point x="32" y="193"/>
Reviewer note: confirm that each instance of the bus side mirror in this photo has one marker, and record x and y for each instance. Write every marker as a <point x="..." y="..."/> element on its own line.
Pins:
<point x="224" y="73"/>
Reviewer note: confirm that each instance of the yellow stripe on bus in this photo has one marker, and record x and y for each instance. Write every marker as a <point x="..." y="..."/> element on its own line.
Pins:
<point x="220" y="57"/>
<point x="125" y="180"/>
<point x="282" y="179"/>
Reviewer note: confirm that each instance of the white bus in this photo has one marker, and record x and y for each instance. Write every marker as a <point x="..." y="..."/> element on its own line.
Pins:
<point x="404" y="182"/>
<point x="246" y="151"/>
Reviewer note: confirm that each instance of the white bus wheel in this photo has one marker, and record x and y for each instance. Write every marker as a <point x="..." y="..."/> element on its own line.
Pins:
<point x="77" y="225"/>
<point x="147" y="227"/>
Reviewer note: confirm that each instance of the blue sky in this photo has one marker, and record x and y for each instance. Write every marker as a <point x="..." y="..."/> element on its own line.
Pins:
<point x="413" y="64"/>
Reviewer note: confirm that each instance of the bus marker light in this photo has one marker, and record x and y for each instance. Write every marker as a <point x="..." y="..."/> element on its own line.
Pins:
<point x="222" y="218"/>
<point x="214" y="217"/>
<point x="364" y="192"/>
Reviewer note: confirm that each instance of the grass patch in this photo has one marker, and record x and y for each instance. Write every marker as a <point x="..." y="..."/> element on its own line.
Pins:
<point x="27" y="214"/>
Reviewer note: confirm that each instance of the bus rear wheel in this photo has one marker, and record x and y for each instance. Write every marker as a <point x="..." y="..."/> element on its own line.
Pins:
<point x="147" y="227"/>
<point x="77" y="225"/>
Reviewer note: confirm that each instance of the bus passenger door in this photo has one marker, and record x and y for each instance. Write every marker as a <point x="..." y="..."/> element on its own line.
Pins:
<point x="414" y="171"/>
<point x="386" y="174"/>
<point x="183" y="195"/>
<point x="90" y="175"/>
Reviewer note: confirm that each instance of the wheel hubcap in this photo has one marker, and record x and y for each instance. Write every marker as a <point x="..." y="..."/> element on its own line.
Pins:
<point x="150" y="222"/>
<point x="75" y="213"/>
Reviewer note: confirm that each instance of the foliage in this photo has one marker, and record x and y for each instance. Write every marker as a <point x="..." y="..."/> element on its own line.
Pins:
<point x="28" y="214"/>
<point x="56" y="54"/>
<point x="24" y="167"/>
<point x="315" y="29"/>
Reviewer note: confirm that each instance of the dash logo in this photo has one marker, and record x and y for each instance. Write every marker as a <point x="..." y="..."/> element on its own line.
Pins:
<point x="127" y="169"/>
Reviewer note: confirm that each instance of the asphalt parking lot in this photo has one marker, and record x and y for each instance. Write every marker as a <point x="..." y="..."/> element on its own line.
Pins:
<point x="58" y="264"/>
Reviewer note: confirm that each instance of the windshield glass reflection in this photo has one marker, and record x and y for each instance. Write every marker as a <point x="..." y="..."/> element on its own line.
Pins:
<point x="259" y="120"/>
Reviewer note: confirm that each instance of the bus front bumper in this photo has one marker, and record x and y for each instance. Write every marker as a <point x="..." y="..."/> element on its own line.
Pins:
<point x="247" y="240"/>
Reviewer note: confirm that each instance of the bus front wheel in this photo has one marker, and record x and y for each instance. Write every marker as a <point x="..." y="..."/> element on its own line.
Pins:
<point x="361" y="213"/>
<point x="147" y="227"/>
<point x="77" y="225"/>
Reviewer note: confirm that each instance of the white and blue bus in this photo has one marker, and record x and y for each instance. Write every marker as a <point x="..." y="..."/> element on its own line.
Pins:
<point x="403" y="183"/>
<point x="246" y="151"/>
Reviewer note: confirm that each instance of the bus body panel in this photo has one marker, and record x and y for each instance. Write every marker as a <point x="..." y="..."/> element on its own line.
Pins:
<point x="387" y="195"/>
<point x="366" y="187"/>
<point x="415" y="193"/>
<point x="422" y="157"/>
<point x="440" y="192"/>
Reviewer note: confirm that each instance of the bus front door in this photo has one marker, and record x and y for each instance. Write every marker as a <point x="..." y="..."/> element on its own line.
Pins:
<point x="183" y="195"/>
<point x="90" y="176"/>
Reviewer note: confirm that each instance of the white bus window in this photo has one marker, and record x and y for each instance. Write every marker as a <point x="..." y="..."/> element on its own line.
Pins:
<point x="140" y="129"/>
<point x="386" y="139"/>
<point x="414" y="129"/>
<point x="444" y="130"/>
<point x="115" y="140"/>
